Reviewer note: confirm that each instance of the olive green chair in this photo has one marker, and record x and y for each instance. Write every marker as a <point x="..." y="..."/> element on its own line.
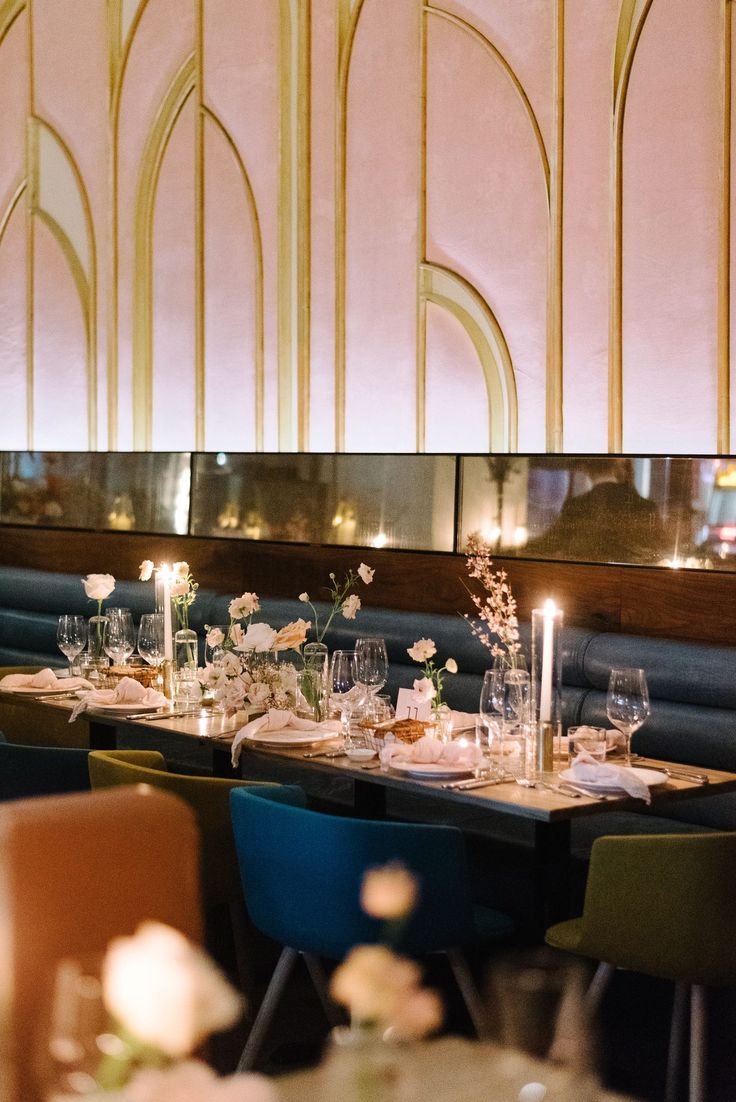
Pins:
<point x="663" y="905"/>
<point x="26" y="723"/>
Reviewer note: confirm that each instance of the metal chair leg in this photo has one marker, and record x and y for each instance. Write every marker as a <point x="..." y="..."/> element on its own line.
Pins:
<point x="598" y="986"/>
<point x="677" y="1036"/>
<point x="265" y="1014"/>
<point x="698" y="1085"/>
<point x="469" y="992"/>
<point x="317" y="974"/>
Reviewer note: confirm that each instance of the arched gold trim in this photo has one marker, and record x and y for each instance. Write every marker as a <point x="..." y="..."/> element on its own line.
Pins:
<point x="258" y="253"/>
<point x="345" y="52"/>
<point x="8" y="213"/>
<point x="456" y="294"/>
<point x="624" y="59"/>
<point x="31" y="154"/>
<point x="85" y="301"/>
<point x="200" y="320"/>
<point x="723" y="400"/>
<point x="9" y="12"/>
<point x="169" y="111"/>
<point x="90" y="277"/>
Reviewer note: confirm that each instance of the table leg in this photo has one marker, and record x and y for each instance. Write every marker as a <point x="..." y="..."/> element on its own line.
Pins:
<point x="102" y="736"/>
<point x="369" y="800"/>
<point x="222" y="765"/>
<point x="551" y="873"/>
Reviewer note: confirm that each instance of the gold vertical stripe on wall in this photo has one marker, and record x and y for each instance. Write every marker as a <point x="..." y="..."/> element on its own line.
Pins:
<point x="631" y="24"/>
<point x="31" y="195"/>
<point x="421" y="359"/>
<point x="294" y="229"/>
<point x="258" y="254"/>
<point x="179" y="91"/>
<point x="348" y="23"/>
<point x="199" y="229"/>
<point x="723" y="409"/>
<point x="8" y="212"/>
<point x="555" y="245"/>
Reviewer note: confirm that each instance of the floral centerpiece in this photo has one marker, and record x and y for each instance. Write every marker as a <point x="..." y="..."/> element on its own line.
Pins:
<point x="98" y="587"/>
<point x="495" y="624"/>
<point x="429" y="687"/>
<point x="343" y="600"/>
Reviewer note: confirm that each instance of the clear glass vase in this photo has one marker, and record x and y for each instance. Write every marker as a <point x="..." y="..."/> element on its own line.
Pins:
<point x="315" y="689"/>
<point x="360" y="1066"/>
<point x="442" y="720"/>
<point x="185" y="649"/>
<point x="95" y="637"/>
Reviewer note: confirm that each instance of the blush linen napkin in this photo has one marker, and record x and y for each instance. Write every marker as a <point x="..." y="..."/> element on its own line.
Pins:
<point x="585" y="769"/>
<point x="430" y="751"/>
<point x="464" y="721"/>
<point x="280" y="721"/>
<point x="44" y="679"/>
<point x="127" y="691"/>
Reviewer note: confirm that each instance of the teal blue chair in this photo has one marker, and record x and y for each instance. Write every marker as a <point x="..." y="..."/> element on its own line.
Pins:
<point x="302" y="873"/>
<point x="41" y="771"/>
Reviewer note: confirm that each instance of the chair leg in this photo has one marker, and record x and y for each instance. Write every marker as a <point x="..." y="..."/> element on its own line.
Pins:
<point x="677" y="1036"/>
<point x="265" y="1014"/>
<point x="598" y="987"/>
<point x="698" y="1086"/>
<point x="469" y="992"/>
<point x="317" y="974"/>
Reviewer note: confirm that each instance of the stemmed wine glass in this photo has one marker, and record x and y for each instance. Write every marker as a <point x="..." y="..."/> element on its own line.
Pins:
<point x="118" y="640"/>
<point x="372" y="666"/>
<point x="627" y="703"/>
<point x="344" y="686"/>
<point x="151" y="638"/>
<point x="71" y="637"/>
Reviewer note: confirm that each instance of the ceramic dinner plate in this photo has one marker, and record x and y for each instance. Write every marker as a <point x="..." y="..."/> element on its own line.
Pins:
<point x="277" y="739"/>
<point x="650" y="777"/>
<point x="29" y="690"/>
<point x="125" y="709"/>
<point x="436" y="770"/>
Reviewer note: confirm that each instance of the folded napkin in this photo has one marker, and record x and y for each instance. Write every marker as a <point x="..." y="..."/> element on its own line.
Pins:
<point x="279" y="721"/>
<point x="44" y="679"/>
<point x="430" y="751"/>
<point x="586" y="769"/>
<point x="464" y="721"/>
<point x="127" y="691"/>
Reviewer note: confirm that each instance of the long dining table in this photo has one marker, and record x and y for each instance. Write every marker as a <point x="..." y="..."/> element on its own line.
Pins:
<point x="550" y="813"/>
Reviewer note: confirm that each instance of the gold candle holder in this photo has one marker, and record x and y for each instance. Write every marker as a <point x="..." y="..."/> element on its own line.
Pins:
<point x="167" y="677"/>
<point x="544" y="756"/>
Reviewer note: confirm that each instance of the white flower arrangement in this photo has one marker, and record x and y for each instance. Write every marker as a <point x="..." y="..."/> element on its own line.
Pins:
<point x="343" y="599"/>
<point x="429" y="687"/>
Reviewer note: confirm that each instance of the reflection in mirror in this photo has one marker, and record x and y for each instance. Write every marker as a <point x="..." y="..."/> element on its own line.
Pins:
<point x="398" y="501"/>
<point x="676" y="512"/>
<point x="46" y="488"/>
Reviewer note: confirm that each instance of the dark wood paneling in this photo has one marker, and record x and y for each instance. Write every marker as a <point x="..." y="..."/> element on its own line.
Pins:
<point x="683" y="604"/>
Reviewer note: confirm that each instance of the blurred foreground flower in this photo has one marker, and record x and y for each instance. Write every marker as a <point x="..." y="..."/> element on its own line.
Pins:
<point x="192" y="1081"/>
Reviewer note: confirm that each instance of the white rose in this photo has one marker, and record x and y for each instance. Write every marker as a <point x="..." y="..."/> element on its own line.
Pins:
<point x="180" y="569"/>
<point x="389" y="891"/>
<point x="422" y="650"/>
<point x="259" y="637"/>
<point x="165" y="990"/>
<point x="424" y="690"/>
<point x="230" y="664"/>
<point x="180" y="587"/>
<point x="304" y="596"/>
<point x="98" y="586"/>
<point x="214" y="637"/>
<point x="258" y="693"/>
<point x="145" y="570"/>
<point x="371" y="979"/>
<point x="350" y="606"/>
<point x="240" y="607"/>
<point x="366" y="573"/>
<point x="451" y="665"/>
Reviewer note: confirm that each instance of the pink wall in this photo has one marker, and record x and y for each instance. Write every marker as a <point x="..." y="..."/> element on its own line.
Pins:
<point x="264" y="305"/>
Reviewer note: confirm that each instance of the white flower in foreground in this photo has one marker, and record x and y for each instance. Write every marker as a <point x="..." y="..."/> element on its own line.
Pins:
<point x="145" y="570"/>
<point x="451" y="665"/>
<point x="258" y="693"/>
<point x="304" y="596"/>
<point x="422" y="650"/>
<point x="165" y="991"/>
<point x="180" y="569"/>
<point x="259" y="637"/>
<point x="365" y="573"/>
<point x="179" y="587"/>
<point x="230" y="664"/>
<point x="292" y="635"/>
<point x="389" y="892"/>
<point x="416" y="1015"/>
<point x="350" y="606"/>
<point x="240" y="607"/>
<point x="424" y="690"/>
<point x="215" y="637"/>
<point x="98" y="586"/>
<point x="192" y="1081"/>
<point x="369" y="981"/>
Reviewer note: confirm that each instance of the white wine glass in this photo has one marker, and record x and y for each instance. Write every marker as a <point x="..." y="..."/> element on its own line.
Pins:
<point x="71" y="638"/>
<point x="151" y="638"/>
<point x="627" y="703"/>
<point x="372" y="667"/>
<point x="118" y="640"/>
<point x="344" y="686"/>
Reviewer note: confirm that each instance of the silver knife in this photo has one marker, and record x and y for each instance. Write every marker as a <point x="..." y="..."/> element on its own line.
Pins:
<point x="161" y="715"/>
<point x="463" y="786"/>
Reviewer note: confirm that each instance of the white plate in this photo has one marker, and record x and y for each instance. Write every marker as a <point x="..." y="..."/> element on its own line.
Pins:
<point x="36" y="692"/>
<point x="434" y="769"/>
<point x="276" y="739"/>
<point x="126" y="709"/>
<point x="650" y="777"/>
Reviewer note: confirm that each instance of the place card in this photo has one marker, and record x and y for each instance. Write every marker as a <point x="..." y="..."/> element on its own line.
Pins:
<point x="407" y="707"/>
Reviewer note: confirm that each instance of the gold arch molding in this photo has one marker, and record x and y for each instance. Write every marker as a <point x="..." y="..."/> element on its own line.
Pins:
<point x="450" y="291"/>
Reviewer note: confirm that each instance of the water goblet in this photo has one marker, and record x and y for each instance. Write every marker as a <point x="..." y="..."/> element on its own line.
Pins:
<point x="372" y="664"/>
<point x="151" y="638"/>
<point x="345" y="689"/>
<point x="71" y="637"/>
<point x="118" y="639"/>
<point x="627" y="703"/>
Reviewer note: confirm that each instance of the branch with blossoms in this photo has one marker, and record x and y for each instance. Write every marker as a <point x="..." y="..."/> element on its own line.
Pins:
<point x="343" y="600"/>
<point x="496" y="611"/>
<point x="429" y="687"/>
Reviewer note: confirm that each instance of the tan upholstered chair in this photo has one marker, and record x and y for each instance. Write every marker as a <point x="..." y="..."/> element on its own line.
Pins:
<point x="22" y="721"/>
<point x="76" y="871"/>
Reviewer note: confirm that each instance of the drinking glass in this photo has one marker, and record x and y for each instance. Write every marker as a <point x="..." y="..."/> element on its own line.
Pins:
<point x="151" y="638"/>
<point x="627" y="703"/>
<point x="490" y="708"/>
<point x="344" y="686"/>
<point x="515" y="720"/>
<point x="71" y="637"/>
<point x="372" y="666"/>
<point x="118" y="639"/>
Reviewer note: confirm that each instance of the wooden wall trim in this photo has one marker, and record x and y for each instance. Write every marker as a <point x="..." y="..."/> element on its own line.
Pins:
<point x="680" y="604"/>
